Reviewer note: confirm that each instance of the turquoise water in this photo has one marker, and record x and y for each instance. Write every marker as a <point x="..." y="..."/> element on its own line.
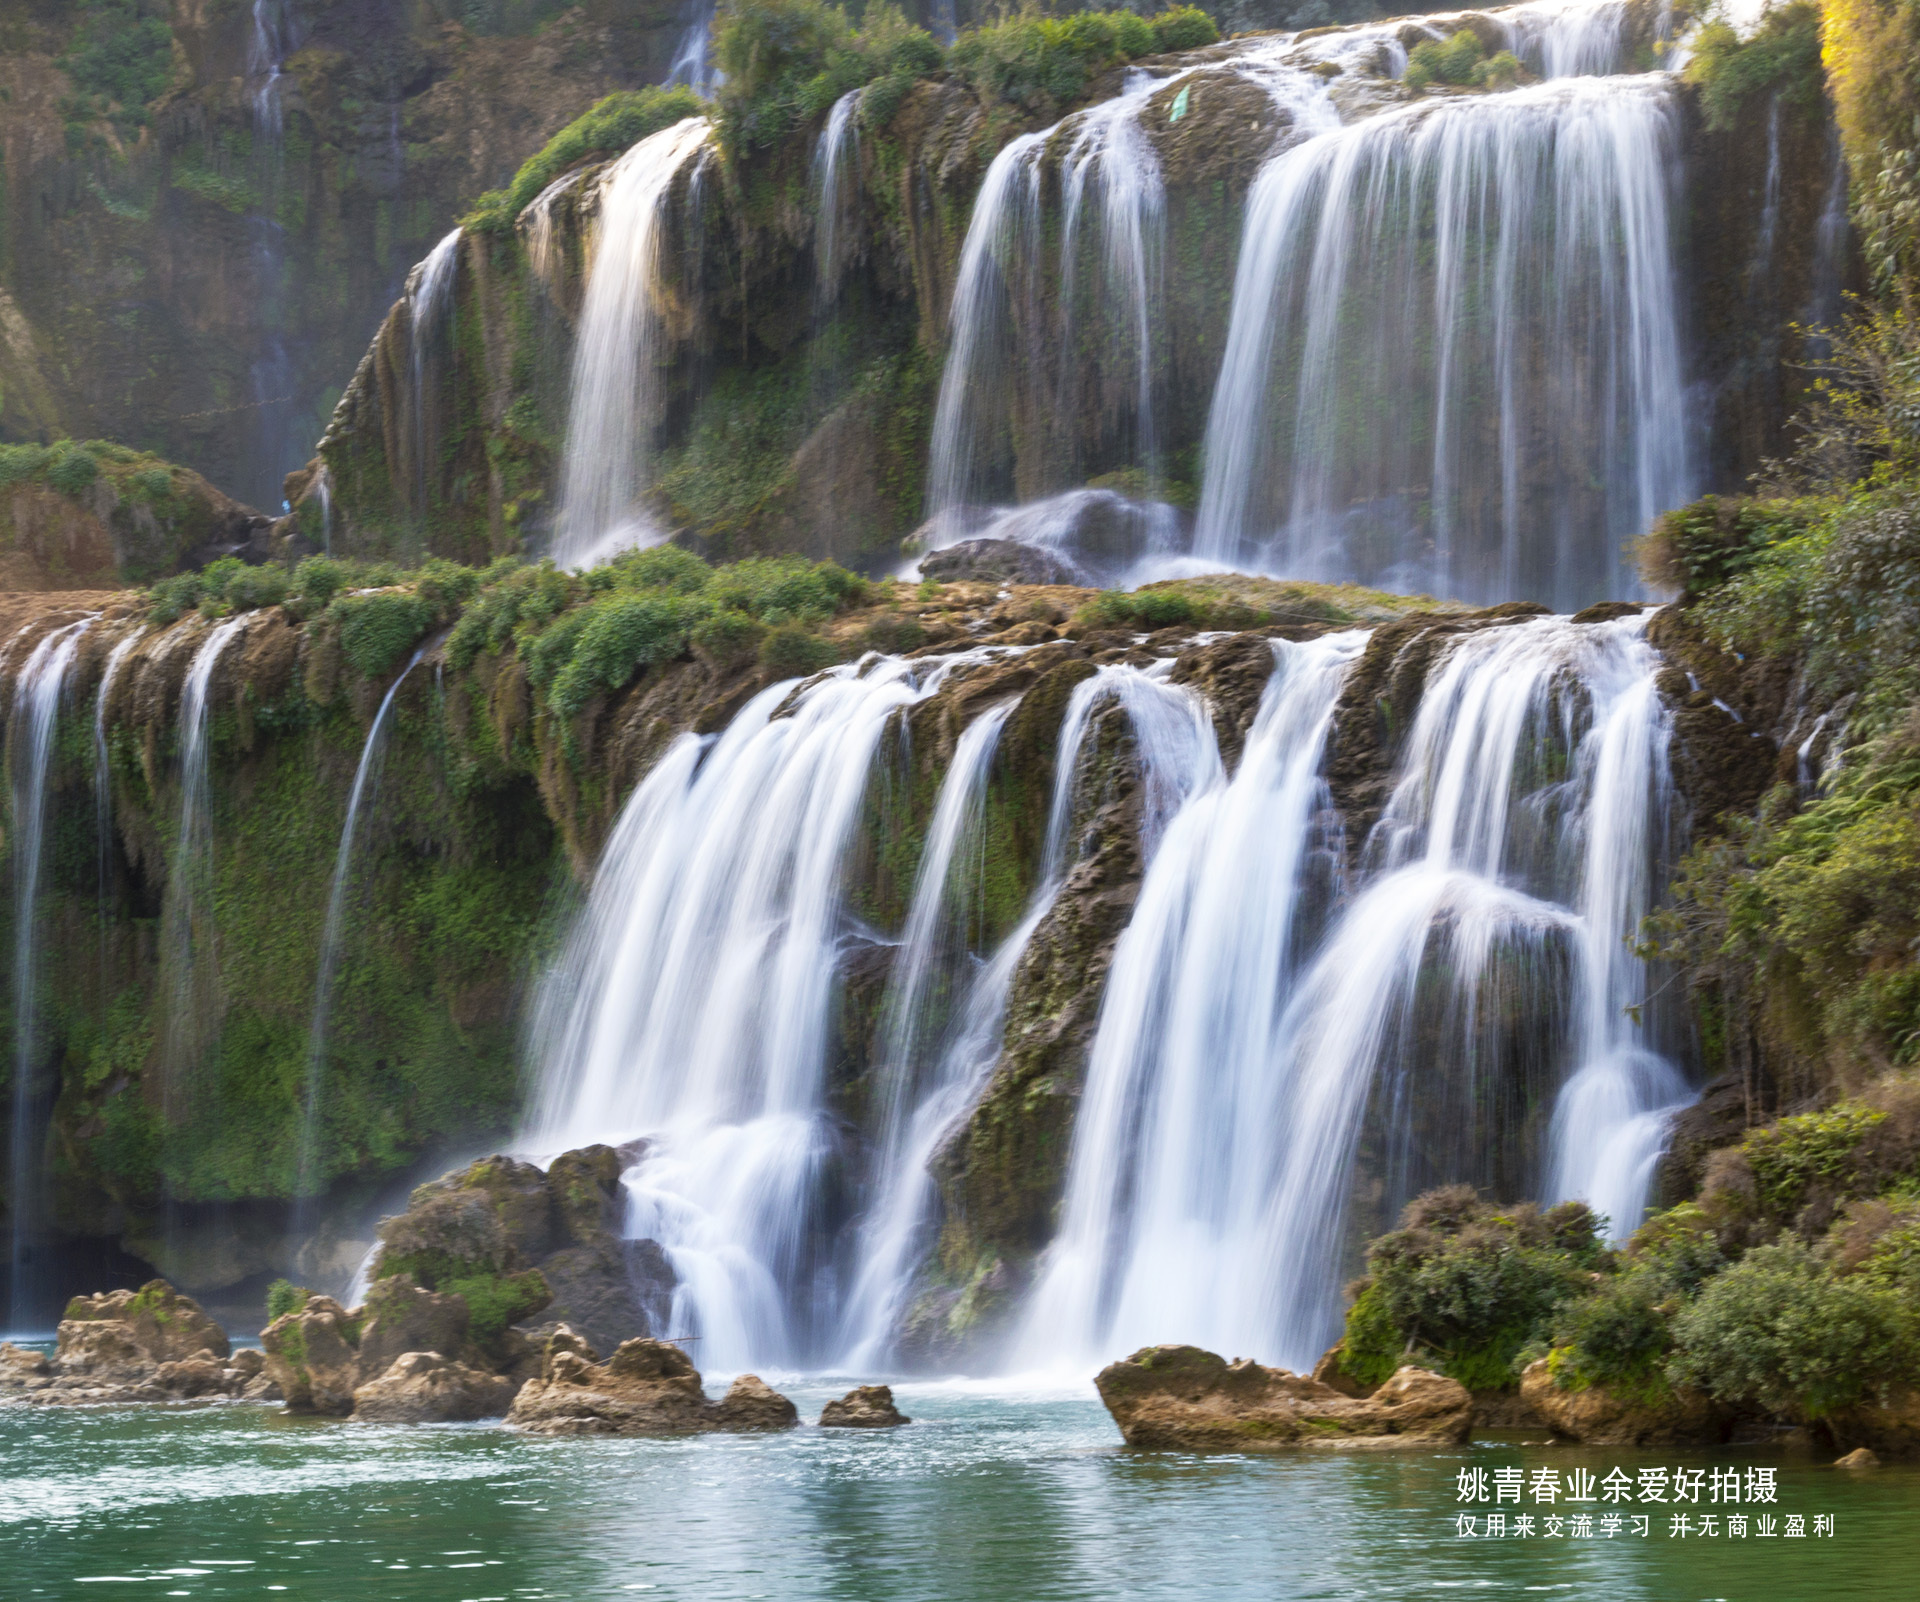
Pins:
<point x="987" y="1495"/>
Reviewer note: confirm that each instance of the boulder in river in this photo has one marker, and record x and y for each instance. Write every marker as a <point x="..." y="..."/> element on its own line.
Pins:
<point x="646" y="1388"/>
<point x="866" y="1407"/>
<point x="1597" y="1416"/>
<point x="149" y="1345"/>
<point x="1180" y="1398"/>
<point x="427" y="1388"/>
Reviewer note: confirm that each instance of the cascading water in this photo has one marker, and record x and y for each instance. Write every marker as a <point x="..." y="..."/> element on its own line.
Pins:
<point x="1242" y="1065"/>
<point x="187" y="932"/>
<point x="103" y="775"/>
<point x="308" y="1181"/>
<point x="429" y="296"/>
<point x="997" y="381"/>
<point x="277" y="428"/>
<point x="692" y="64"/>
<point x="36" y="710"/>
<point x="615" y="386"/>
<point x="689" y="1013"/>
<point x="1494" y="404"/>
<point x="835" y="190"/>
<point x="1165" y="1210"/>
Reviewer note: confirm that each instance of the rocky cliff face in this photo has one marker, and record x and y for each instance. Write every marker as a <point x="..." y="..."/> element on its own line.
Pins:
<point x="209" y="203"/>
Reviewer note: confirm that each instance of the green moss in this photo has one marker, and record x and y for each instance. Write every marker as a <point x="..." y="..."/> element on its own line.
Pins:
<point x="614" y="124"/>
<point x="120" y="59"/>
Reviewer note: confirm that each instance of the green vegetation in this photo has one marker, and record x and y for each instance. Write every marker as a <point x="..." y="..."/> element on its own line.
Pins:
<point x="1042" y="63"/>
<point x="612" y="125"/>
<point x="1782" y="58"/>
<point x="1463" y="1286"/>
<point x="119" y="62"/>
<point x="1460" y="61"/>
<point x="283" y="1297"/>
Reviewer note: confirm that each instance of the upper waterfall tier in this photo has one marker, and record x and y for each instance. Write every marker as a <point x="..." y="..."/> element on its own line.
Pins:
<point x="1274" y="304"/>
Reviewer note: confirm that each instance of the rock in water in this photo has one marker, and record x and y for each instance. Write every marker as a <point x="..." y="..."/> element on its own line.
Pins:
<point x="1179" y="1398"/>
<point x="867" y="1407"/>
<point x="426" y="1388"/>
<point x="646" y="1388"/>
<point x="313" y="1355"/>
<point x="1598" y="1417"/>
<point x="998" y="562"/>
<point x="149" y="1345"/>
<point x="1860" y="1457"/>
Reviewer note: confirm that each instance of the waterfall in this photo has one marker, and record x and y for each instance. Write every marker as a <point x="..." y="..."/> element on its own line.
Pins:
<point x="323" y="492"/>
<point x="308" y="1180"/>
<point x="1760" y="269"/>
<point x="996" y="386"/>
<point x="187" y="931"/>
<point x="1178" y="1132"/>
<point x="692" y="64"/>
<point x="36" y="710"/>
<point x="103" y="781"/>
<point x="1244" y="1058"/>
<point x="1829" y="248"/>
<point x="620" y="344"/>
<point x="835" y="189"/>
<point x="1512" y="344"/>
<point x="429" y="297"/>
<point x="689" y="1011"/>
<point x="278" y="446"/>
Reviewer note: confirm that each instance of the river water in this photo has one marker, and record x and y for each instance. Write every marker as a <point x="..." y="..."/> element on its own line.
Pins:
<point x="991" y="1495"/>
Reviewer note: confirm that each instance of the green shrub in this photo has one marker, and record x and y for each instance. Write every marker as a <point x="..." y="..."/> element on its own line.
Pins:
<point x="895" y="635"/>
<point x="790" y="652"/>
<point x="1783" y="57"/>
<point x="1499" y="71"/>
<point x="622" y="635"/>
<point x="1777" y="1332"/>
<point x="316" y="581"/>
<point x="781" y="589"/>
<point x="1040" y="62"/>
<point x="1619" y="1335"/>
<point x="1453" y="61"/>
<point x="1467" y="1285"/>
<point x="18" y="463"/>
<point x="120" y="59"/>
<point x="172" y="597"/>
<point x="657" y="567"/>
<point x="283" y="1297"/>
<point x="728" y="640"/>
<point x="1184" y="28"/>
<point x="377" y="630"/>
<point x="70" y="468"/>
<point x="1141" y="609"/>
<point x="1794" y="1155"/>
<point x="614" y="124"/>
<point x="496" y="1300"/>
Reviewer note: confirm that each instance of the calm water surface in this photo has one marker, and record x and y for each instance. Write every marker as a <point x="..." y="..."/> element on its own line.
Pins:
<point x="1007" y="1496"/>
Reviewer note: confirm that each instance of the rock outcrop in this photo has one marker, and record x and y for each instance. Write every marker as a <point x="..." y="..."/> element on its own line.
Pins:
<point x="646" y="1388"/>
<point x="1181" y="1399"/>
<point x="866" y="1407"/>
<point x="427" y="1388"/>
<point x="149" y="1345"/>
<point x="1596" y="1416"/>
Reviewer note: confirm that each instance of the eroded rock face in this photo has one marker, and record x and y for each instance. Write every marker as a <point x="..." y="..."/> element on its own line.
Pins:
<point x="1000" y="562"/>
<point x="1598" y="1417"/>
<point x="866" y="1407"/>
<point x="646" y="1388"/>
<point x="149" y="1345"/>
<point x="1179" y="1398"/>
<point x="427" y="1388"/>
<point x="313" y="1355"/>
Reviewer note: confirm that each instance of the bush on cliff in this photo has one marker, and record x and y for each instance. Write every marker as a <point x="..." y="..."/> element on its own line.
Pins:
<point x="1781" y="58"/>
<point x="614" y="124"/>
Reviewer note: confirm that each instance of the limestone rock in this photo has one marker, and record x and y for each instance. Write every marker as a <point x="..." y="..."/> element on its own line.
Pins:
<point x="1890" y="1428"/>
<point x="1330" y="1371"/>
<point x="401" y="1317"/>
<point x="998" y="561"/>
<point x="203" y="1374"/>
<point x="1598" y="1417"/>
<point x="427" y="1388"/>
<point x="646" y="1388"/>
<point x="1860" y="1457"/>
<point x="1179" y="1398"/>
<point x="867" y="1407"/>
<point x="313" y="1355"/>
<point x="22" y="1370"/>
<point x="161" y="1323"/>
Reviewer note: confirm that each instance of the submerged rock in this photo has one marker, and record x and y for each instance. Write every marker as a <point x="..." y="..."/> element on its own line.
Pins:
<point x="149" y="1345"/>
<point x="646" y="1388"/>
<point x="866" y="1407"/>
<point x="1179" y="1398"/>
<point x="427" y="1388"/>
<point x="1596" y="1416"/>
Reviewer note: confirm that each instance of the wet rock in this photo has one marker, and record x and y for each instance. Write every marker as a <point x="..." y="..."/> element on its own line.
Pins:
<point x="428" y="1388"/>
<point x="313" y="1356"/>
<point x="1596" y="1416"/>
<point x="1860" y="1457"/>
<point x="646" y="1388"/>
<point x="22" y="1370"/>
<point x="200" y="1375"/>
<point x="126" y="1346"/>
<point x="401" y="1317"/>
<point x="866" y="1407"/>
<point x="998" y="561"/>
<point x="1179" y="1398"/>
